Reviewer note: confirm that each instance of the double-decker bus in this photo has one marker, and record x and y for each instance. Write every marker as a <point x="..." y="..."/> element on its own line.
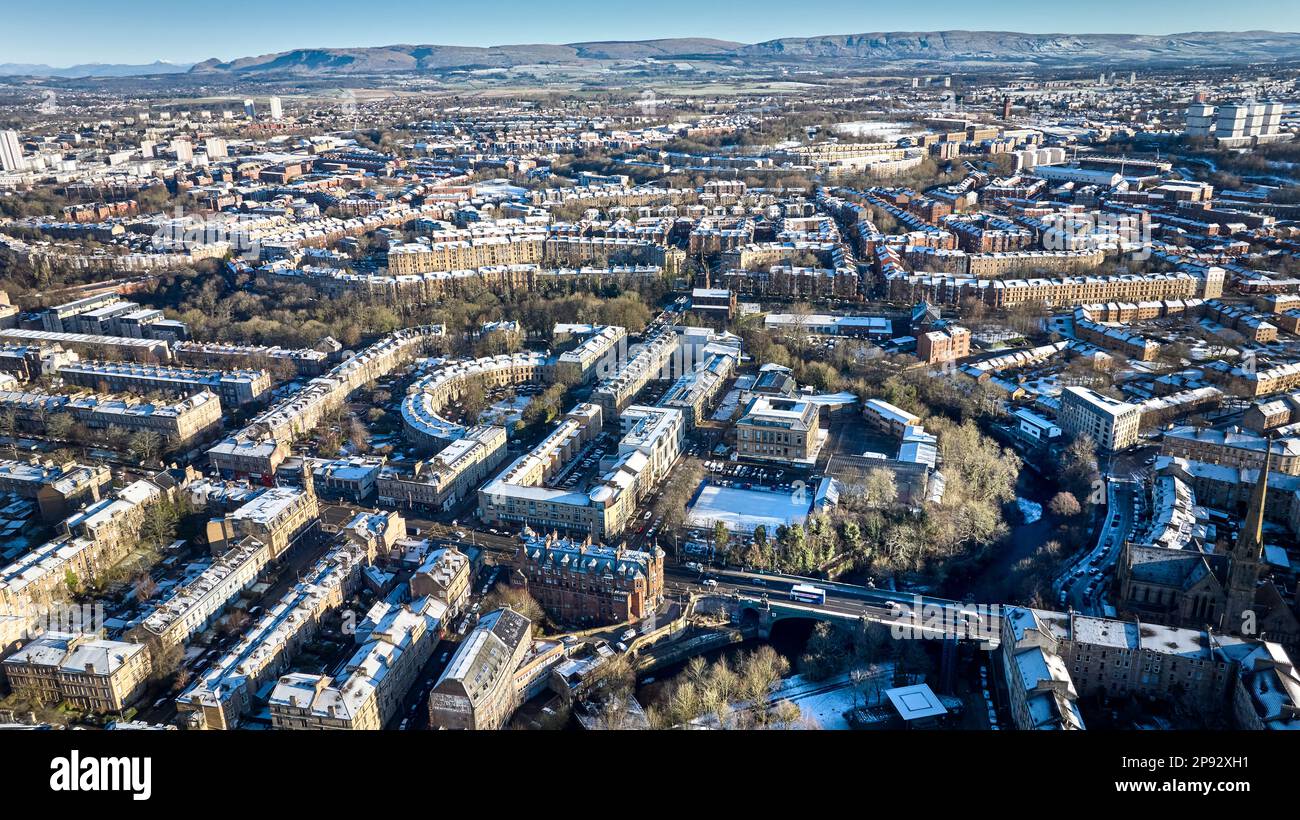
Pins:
<point x="808" y="594"/>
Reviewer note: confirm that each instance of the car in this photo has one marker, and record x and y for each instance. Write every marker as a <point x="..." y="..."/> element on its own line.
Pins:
<point x="405" y="722"/>
<point x="758" y="581"/>
<point x="628" y="634"/>
<point x="710" y="583"/>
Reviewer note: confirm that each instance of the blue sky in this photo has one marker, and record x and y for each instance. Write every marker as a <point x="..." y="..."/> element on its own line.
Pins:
<point x="140" y="31"/>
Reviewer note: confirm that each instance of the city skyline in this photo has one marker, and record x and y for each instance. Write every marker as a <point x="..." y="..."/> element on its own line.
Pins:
<point x="99" y="33"/>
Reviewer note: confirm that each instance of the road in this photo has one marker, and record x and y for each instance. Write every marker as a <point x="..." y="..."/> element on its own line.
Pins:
<point x="1085" y="582"/>
<point x="842" y="599"/>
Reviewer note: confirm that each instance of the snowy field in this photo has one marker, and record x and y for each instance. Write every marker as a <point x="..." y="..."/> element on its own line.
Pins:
<point x="743" y="510"/>
<point x="884" y="130"/>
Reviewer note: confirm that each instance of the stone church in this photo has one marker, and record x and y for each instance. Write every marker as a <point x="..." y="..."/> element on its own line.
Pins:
<point x="1225" y="590"/>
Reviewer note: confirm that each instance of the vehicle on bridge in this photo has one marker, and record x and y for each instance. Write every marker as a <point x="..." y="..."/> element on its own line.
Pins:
<point x="808" y="594"/>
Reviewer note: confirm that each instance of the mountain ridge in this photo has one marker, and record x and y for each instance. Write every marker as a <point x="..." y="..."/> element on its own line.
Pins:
<point x="953" y="48"/>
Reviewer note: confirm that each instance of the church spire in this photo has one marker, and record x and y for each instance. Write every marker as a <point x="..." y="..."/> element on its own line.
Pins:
<point x="1251" y="540"/>
<point x="1244" y="561"/>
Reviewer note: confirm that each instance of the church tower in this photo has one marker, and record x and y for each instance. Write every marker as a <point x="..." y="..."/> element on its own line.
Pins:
<point x="1245" y="556"/>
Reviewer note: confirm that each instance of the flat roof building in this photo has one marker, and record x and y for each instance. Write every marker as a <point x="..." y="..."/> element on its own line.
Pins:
<point x="1111" y="424"/>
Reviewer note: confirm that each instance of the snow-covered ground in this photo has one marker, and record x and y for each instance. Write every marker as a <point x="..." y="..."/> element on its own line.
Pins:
<point x="1031" y="510"/>
<point x="822" y="703"/>
<point x="505" y="413"/>
<point x="743" y="510"/>
<point x="884" y="130"/>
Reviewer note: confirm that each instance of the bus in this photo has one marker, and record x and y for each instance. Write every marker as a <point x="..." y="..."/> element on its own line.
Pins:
<point x="808" y="593"/>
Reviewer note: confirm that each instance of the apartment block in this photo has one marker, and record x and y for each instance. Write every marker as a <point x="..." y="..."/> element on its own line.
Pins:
<point x="279" y="517"/>
<point x="180" y="423"/>
<point x="226" y="691"/>
<point x="89" y="673"/>
<point x="523" y="495"/>
<point x="191" y="607"/>
<point x="426" y="398"/>
<point x="301" y="411"/>
<point x="1111" y="424"/>
<point x="57" y="489"/>
<point x="478" y="688"/>
<point x="1238" y="449"/>
<point x="580" y="365"/>
<point x="396" y="642"/>
<point x="1052" y="659"/>
<point x="943" y="344"/>
<point x="441" y="482"/>
<point x="236" y="388"/>
<point x="444" y="575"/>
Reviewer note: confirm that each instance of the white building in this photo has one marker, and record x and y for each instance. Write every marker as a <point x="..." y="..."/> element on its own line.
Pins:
<point x="1111" y="424"/>
<point x="11" y="152"/>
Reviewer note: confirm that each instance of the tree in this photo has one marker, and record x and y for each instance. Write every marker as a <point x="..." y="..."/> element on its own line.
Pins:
<point x="881" y="488"/>
<point x="166" y="661"/>
<point x="1079" y="472"/>
<point x="144" y="587"/>
<point x="60" y="426"/>
<point x="159" y="524"/>
<point x="721" y="538"/>
<point x="518" y="599"/>
<point x="9" y="428"/>
<point x="858" y="679"/>
<point x="145" y="445"/>
<point x="1064" y="505"/>
<point x="358" y="435"/>
<point x="678" y="489"/>
<point x="614" y="679"/>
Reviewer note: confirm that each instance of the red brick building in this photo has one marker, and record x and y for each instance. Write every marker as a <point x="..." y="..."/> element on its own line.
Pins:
<point x="580" y="583"/>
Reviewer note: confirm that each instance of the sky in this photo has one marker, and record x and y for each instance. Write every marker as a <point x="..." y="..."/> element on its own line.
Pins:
<point x="141" y="31"/>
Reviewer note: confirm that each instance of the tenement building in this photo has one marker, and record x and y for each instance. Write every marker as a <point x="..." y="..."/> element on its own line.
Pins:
<point x="1054" y="660"/>
<point x="478" y="689"/>
<point x="89" y="673"/>
<point x="582" y="583"/>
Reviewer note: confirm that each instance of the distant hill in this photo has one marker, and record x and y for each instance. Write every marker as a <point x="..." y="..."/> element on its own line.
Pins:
<point x="91" y="70"/>
<point x="921" y="49"/>
<point x="399" y="58"/>
<point x="1010" y="46"/>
